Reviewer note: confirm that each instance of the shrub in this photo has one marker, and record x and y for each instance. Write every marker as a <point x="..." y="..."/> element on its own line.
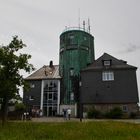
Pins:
<point x="17" y="113"/>
<point x="93" y="113"/>
<point x="114" y="113"/>
<point x="133" y="115"/>
<point x="20" y="107"/>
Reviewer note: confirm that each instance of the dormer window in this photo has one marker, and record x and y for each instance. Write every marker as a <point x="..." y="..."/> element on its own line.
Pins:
<point x="107" y="62"/>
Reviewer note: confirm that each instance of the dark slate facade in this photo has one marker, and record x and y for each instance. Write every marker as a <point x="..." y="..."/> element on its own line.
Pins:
<point x="32" y="97"/>
<point x="108" y="82"/>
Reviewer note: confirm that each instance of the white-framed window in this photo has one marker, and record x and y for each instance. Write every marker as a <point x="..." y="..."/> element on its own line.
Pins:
<point x="124" y="108"/>
<point x="107" y="63"/>
<point x="31" y="98"/>
<point x="107" y="76"/>
<point x="32" y="85"/>
<point x="72" y="96"/>
<point x="50" y="96"/>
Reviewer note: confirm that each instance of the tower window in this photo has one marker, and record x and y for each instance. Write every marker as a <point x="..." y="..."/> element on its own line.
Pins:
<point x="71" y="36"/>
<point x="85" y="38"/>
<point x="71" y="71"/>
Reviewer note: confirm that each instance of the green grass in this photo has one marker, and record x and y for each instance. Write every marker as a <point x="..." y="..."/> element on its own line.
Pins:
<point x="70" y="131"/>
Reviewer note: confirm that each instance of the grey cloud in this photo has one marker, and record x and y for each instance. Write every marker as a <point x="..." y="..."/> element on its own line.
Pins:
<point x="130" y="48"/>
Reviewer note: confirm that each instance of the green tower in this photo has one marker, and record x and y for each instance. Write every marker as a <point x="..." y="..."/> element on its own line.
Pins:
<point x="76" y="52"/>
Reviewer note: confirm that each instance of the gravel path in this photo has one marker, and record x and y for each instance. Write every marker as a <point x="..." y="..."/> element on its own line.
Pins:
<point x="61" y="119"/>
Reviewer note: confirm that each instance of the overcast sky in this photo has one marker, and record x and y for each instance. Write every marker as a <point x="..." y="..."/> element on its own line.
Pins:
<point x="115" y="24"/>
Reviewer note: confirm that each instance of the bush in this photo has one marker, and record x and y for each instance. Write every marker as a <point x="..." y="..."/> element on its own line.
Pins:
<point x="133" y="115"/>
<point x="20" y="107"/>
<point x="115" y="113"/>
<point x="93" y="113"/>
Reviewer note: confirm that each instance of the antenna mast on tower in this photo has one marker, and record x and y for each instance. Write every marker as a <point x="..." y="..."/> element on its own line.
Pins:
<point x="79" y="18"/>
<point x="88" y="25"/>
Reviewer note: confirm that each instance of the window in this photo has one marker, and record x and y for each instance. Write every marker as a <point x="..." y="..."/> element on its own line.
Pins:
<point x="32" y="85"/>
<point x="107" y="76"/>
<point x="50" y="96"/>
<point x="107" y="62"/>
<point x="72" y="96"/>
<point x="85" y="38"/>
<point x="55" y="96"/>
<point x="71" y="36"/>
<point x="71" y="39"/>
<point x="31" y="98"/>
<point x="71" y="71"/>
<point x="124" y="108"/>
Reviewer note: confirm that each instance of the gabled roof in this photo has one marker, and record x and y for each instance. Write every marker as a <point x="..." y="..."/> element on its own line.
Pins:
<point x="115" y="63"/>
<point x="46" y="72"/>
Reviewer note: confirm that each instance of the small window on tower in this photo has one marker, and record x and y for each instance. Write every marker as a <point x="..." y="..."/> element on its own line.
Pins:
<point x="85" y="38"/>
<point x="71" y="36"/>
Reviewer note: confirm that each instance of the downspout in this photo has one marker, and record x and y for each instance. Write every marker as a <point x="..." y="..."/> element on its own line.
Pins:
<point x="41" y="99"/>
<point x="58" y="101"/>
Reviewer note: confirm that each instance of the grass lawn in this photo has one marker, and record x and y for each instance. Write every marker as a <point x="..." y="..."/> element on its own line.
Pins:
<point x="70" y="131"/>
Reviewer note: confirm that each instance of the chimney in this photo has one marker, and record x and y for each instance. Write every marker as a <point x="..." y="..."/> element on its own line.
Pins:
<point x="51" y="64"/>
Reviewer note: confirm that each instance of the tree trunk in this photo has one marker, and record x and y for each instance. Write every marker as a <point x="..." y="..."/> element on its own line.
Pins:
<point x="4" y="110"/>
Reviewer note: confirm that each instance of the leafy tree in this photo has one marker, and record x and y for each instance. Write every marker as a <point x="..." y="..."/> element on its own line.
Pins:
<point x="11" y="62"/>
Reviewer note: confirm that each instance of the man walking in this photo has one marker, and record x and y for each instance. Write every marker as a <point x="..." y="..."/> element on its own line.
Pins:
<point x="69" y="113"/>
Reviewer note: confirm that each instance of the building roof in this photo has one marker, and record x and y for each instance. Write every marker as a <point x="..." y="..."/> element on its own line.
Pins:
<point x="115" y="63"/>
<point x="46" y="72"/>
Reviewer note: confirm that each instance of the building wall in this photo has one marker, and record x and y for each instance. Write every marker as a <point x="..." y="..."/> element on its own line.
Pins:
<point x="45" y="96"/>
<point x="32" y="97"/>
<point x="72" y="107"/>
<point x="126" y="108"/>
<point x="123" y="89"/>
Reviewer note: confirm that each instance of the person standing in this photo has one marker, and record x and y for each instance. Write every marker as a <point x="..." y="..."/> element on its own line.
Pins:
<point x="69" y="113"/>
<point x="65" y="114"/>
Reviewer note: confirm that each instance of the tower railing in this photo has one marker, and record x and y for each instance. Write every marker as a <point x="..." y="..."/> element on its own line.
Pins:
<point x="75" y="28"/>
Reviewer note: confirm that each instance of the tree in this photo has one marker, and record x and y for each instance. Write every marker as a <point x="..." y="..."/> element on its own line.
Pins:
<point x="11" y="62"/>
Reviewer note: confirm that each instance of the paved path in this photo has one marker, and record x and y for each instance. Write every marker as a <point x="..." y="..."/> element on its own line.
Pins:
<point x="61" y="119"/>
<point x="53" y="119"/>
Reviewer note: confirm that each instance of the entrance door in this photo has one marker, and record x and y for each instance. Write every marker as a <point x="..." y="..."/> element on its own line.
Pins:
<point x="50" y="111"/>
<point x="45" y="111"/>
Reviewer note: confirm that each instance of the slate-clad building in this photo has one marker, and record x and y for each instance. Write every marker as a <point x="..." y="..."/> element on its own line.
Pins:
<point x="44" y="92"/>
<point x="109" y="82"/>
